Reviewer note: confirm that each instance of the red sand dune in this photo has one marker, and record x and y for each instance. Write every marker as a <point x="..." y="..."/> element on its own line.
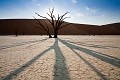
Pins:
<point x="26" y="26"/>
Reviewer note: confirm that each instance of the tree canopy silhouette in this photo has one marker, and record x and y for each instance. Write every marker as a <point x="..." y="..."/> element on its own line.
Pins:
<point x="56" y="22"/>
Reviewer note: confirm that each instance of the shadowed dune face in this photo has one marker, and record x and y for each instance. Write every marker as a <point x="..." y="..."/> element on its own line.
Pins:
<point x="26" y="26"/>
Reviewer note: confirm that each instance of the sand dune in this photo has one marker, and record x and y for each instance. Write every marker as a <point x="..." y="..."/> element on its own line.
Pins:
<point x="26" y="26"/>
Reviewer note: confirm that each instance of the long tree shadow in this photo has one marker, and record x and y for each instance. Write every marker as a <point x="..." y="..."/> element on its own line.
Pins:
<point x="96" y="51"/>
<point x="108" y="59"/>
<point x="93" y="45"/>
<point x="22" y="43"/>
<point x="102" y="76"/>
<point x="60" y="70"/>
<point x="27" y="64"/>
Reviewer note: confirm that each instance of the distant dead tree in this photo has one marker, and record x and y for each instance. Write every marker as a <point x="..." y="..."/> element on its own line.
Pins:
<point x="23" y="33"/>
<point x="57" y="23"/>
<point x="89" y="32"/>
<point x="16" y="31"/>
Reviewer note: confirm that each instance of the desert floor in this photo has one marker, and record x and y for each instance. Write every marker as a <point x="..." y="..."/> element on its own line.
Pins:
<point x="65" y="58"/>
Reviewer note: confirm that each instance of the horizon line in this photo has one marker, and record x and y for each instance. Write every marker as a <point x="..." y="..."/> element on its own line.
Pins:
<point x="65" y="21"/>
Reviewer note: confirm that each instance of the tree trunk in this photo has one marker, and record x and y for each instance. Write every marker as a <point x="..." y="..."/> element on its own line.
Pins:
<point x="16" y="33"/>
<point x="49" y="35"/>
<point x="55" y="34"/>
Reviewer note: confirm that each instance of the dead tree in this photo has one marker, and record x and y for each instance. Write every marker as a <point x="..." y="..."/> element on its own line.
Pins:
<point x="42" y="27"/>
<point x="57" y="23"/>
<point x="16" y="31"/>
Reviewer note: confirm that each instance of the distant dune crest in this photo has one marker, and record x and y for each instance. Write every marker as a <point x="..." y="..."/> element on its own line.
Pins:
<point x="26" y="27"/>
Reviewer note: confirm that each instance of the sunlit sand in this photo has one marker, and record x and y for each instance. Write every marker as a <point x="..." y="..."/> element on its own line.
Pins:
<point x="65" y="58"/>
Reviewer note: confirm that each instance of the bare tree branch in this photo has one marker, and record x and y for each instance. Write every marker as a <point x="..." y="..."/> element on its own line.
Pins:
<point x="49" y="15"/>
<point x="44" y="17"/>
<point x="40" y="23"/>
<point x="40" y="28"/>
<point x="47" y="26"/>
<point x="57" y="20"/>
<point x="60" y="20"/>
<point x="61" y="17"/>
<point x="64" y="26"/>
<point x="53" y="10"/>
<point x="65" y="18"/>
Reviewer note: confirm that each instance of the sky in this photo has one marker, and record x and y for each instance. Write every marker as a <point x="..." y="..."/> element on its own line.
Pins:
<point x="95" y="12"/>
